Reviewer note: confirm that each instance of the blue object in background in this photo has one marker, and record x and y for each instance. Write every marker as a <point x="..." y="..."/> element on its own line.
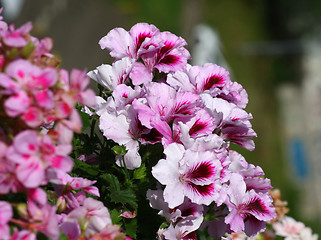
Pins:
<point x="298" y="158"/>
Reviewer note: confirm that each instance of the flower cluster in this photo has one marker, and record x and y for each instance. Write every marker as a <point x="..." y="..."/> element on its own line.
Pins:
<point x="172" y="127"/>
<point x="195" y="113"/>
<point x="281" y="226"/>
<point x="38" y="119"/>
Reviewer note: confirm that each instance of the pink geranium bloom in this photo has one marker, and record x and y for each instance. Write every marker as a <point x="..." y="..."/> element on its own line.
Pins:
<point x="171" y="54"/>
<point x="5" y="216"/>
<point x="179" y="232"/>
<point x="167" y="106"/>
<point x="111" y="76"/>
<point x="78" y="83"/>
<point x="69" y="184"/>
<point x="248" y="210"/>
<point x="188" y="173"/>
<point x="122" y="129"/>
<point x="291" y="229"/>
<point x="253" y="175"/>
<point x="124" y="96"/>
<point x="17" y="104"/>
<point x="23" y="235"/>
<point x="17" y="37"/>
<point x="209" y="77"/>
<point x="129" y="44"/>
<point x="232" y="121"/>
<point x="234" y="92"/>
<point x="44" y="219"/>
<point x="91" y="218"/>
<point x="187" y="213"/>
<point x="32" y="77"/>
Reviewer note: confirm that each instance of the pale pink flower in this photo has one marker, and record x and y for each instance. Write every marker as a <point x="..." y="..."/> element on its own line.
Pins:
<point x="186" y="214"/>
<point x="124" y="130"/>
<point x="291" y="229"/>
<point x="209" y="77"/>
<point x="169" y="55"/>
<point x="253" y="175"/>
<point x="5" y="216"/>
<point x="130" y="43"/>
<point x="44" y="219"/>
<point x="92" y="217"/>
<point x="248" y="210"/>
<point x="232" y="121"/>
<point x="111" y="76"/>
<point x="17" y="37"/>
<point x="179" y="233"/>
<point x="23" y="235"/>
<point x="188" y="173"/>
<point x="69" y="183"/>
<point x="167" y="106"/>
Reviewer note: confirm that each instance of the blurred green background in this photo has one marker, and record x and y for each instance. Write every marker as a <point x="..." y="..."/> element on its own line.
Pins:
<point x="263" y="43"/>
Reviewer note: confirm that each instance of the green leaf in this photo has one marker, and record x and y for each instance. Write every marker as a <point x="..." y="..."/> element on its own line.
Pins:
<point x="115" y="216"/>
<point x="126" y="196"/>
<point x="85" y="120"/>
<point x="118" y="195"/>
<point x="63" y="236"/>
<point x="131" y="228"/>
<point x="85" y="169"/>
<point x="140" y="172"/>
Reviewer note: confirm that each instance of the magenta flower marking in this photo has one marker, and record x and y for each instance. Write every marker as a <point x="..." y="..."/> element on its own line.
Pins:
<point x="214" y="80"/>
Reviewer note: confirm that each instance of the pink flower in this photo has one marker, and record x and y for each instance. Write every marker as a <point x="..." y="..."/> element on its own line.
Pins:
<point x="5" y="216"/>
<point x="187" y="214"/>
<point x="166" y="106"/>
<point x="23" y="235"/>
<point x="253" y="176"/>
<point x="17" y="37"/>
<point x="112" y="76"/>
<point x="232" y="121"/>
<point x="248" y="210"/>
<point x="188" y="173"/>
<point x="132" y="43"/>
<point x="120" y="129"/>
<point x="92" y="217"/>
<point x="69" y="184"/>
<point x="209" y="77"/>
<point x="44" y="219"/>
<point x="78" y="82"/>
<point x="179" y="233"/>
<point x="17" y="104"/>
<point x="170" y="54"/>
<point x="291" y="229"/>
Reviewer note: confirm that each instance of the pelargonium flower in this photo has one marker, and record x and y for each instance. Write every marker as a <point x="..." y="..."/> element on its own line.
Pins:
<point x="232" y="122"/>
<point x="133" y="43"/>
<point x="188" y="173"/>
<point x="187" y="213"/>
<point x="111" y="76"/>
<point x="23" y="234"/>
<point x="5" y="216"/>
<point x="252" y="175"/>
<point x="17" y="37"/>
<point x="121" y="129"/>
<point x="291" y="229"/>
<point x="167" y="106"/>
<point x="169" y="55"/>
<point x="249" y="210"/>
<point x="209" y="77"/>
<point x="90" y="218"/>
<point x="179" y="232"/>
